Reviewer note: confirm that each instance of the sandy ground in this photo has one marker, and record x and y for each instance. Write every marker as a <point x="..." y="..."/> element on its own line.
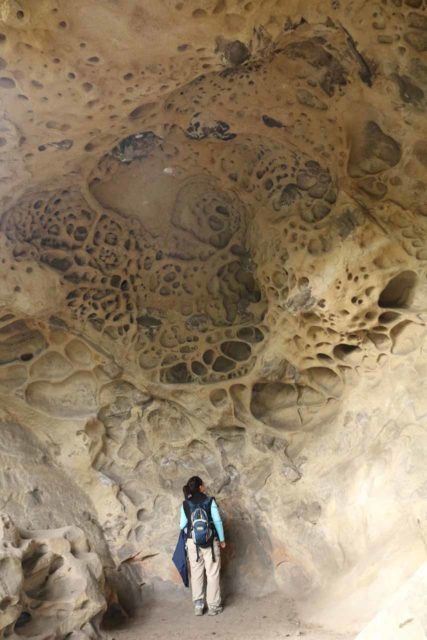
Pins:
<point x="265" y="618"/>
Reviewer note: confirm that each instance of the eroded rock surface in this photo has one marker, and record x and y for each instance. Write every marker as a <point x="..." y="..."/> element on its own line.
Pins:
<point x="50" y="583"/>
<point x="213" y="234"/>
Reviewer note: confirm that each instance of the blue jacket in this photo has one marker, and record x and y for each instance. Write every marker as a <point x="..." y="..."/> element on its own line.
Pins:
<point x="180" y="558"/>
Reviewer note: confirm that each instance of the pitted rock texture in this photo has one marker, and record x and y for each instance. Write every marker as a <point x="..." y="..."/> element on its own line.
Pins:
<point x="50" y="583"/>
<point x="213" y="234"/>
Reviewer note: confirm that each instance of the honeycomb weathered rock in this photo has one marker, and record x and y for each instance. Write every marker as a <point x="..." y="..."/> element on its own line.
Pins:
<point x="213" y="236"/>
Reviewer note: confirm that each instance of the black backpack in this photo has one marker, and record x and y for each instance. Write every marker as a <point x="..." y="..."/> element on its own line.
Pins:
<point x="200" y="525"/>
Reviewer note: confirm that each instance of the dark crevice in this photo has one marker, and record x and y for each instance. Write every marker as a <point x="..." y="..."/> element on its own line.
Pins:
<point x="366" y="73"/>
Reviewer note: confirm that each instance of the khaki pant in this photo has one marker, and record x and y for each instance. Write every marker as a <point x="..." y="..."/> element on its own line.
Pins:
<point x="198" y="568"/>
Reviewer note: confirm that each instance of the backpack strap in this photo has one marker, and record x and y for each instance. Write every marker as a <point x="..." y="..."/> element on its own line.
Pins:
<point x="187" y="511"/>
<point x="208" y="504"/>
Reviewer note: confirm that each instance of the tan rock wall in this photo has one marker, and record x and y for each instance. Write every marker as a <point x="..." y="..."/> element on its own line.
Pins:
<point x="213" y="261"/>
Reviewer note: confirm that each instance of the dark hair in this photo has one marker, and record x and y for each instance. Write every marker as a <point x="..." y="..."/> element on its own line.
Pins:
<point x="192" y="487"/>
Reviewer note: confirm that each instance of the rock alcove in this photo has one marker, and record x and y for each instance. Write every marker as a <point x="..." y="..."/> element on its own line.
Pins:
<point x="213" y="250"/>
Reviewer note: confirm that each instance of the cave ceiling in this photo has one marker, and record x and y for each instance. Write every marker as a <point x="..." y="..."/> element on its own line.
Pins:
<point x="213" y="225"/>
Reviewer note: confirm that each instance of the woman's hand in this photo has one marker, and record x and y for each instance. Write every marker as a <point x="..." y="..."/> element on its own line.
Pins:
<point x="222" y="545"/>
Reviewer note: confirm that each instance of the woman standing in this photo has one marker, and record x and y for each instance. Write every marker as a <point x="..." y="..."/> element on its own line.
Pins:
<point x="205" y="537"/>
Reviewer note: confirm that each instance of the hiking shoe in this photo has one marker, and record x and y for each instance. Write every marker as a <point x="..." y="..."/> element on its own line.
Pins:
<point x="215" y="610"/>
<point x="199" y="606"/>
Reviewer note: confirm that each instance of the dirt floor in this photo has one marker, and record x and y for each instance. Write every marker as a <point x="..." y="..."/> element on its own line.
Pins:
<point x="264" y="618"/>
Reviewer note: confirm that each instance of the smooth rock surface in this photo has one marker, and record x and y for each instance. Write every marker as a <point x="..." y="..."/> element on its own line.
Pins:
<point x="405" y="616"/>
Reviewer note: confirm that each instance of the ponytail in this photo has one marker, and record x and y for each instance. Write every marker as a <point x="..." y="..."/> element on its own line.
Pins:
<point x="186" y="492"/>
<point x="192" y="487"/>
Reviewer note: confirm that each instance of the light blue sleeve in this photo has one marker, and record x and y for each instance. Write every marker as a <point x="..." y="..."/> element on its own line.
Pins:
<point x="184" y="521"/>
<point x="216" y="518"/>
